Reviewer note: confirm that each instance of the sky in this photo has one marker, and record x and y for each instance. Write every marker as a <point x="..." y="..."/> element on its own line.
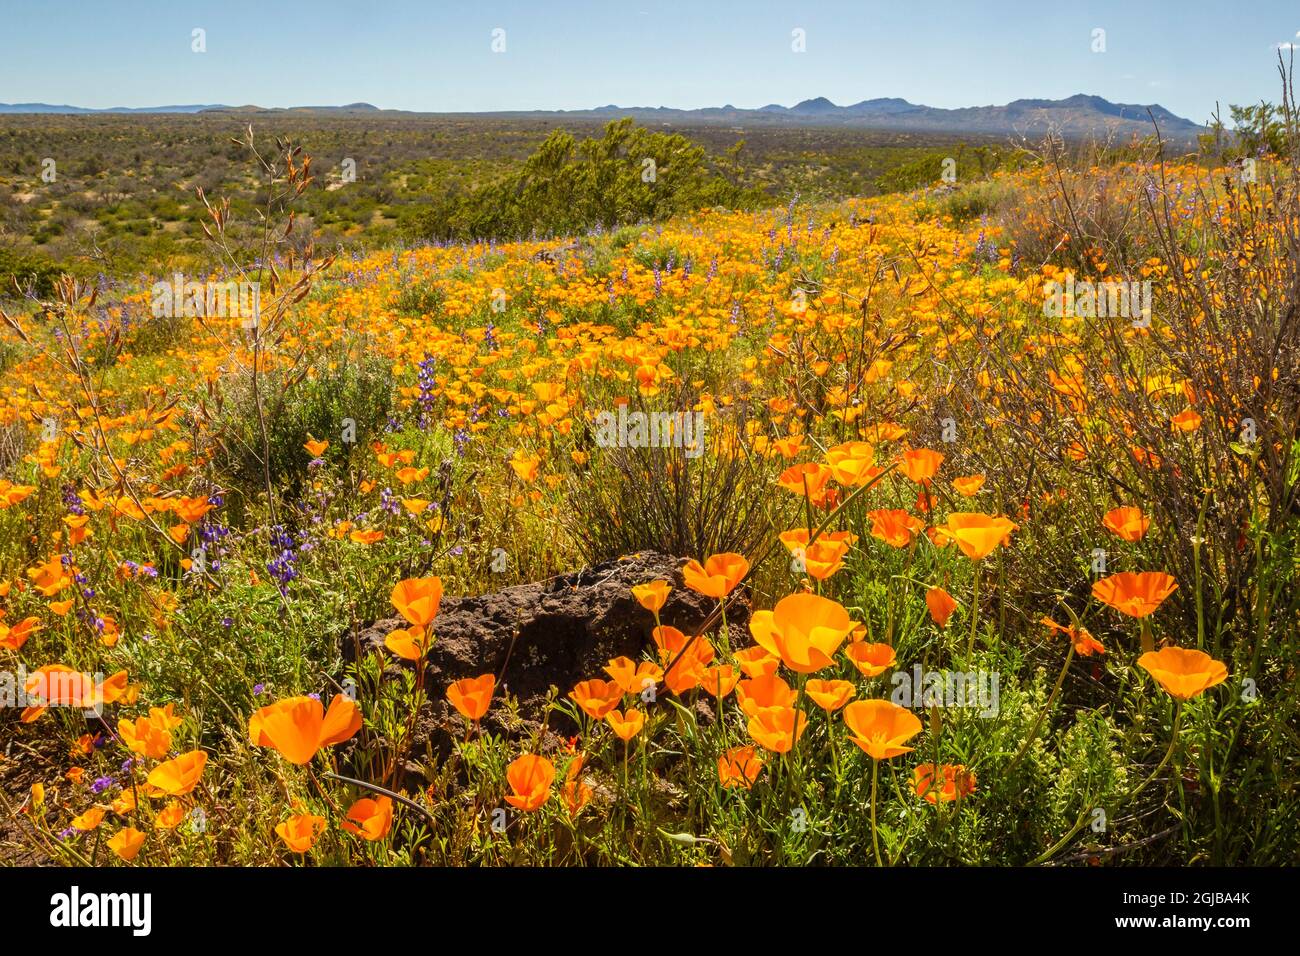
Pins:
<point x="439" y="56"/>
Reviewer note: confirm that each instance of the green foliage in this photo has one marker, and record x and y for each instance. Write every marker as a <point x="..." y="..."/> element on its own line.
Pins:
<point x="1260" y="129"/>
<point x="570" y="186"/>
<point x="968" y="163"/>
<point x="423" y="297"/>
<point x="315" y="402"/>
<point x="31" y="271"/>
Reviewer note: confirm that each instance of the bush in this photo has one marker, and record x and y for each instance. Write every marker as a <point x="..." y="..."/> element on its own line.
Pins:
<point x="28" y="270"/>
<point x="312" y="402"/>
<point x="568" y="187"/>
<point x="421" y="298"/>
<point x="637" y="499"/>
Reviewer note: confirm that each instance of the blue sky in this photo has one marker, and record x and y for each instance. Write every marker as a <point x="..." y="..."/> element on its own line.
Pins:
<point x="437" y="56"/>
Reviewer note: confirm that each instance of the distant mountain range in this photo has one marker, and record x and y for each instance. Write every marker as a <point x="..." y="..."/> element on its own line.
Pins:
<point x="191" y="108"/>
<point x="1076" y="116"/>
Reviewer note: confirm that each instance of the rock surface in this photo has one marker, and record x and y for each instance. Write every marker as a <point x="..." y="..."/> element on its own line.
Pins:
<point x="550" y="633"/>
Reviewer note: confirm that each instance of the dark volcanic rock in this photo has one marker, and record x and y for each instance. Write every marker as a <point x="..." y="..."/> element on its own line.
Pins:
<point x="550" y="633"/>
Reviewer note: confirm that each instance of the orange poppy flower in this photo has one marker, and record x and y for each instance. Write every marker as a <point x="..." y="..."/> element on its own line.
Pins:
<point x="299" y="832"/>
<point x="830" y="695"/>
<point x="1085" y="645"/>
<point x="957" y="783"/>
<point x="796" y="539"/>
<point x="366" y="537"/>
<point x="756" y="661"/>
<point x="192" y="510"/>
<point x="652" y="596"/>
<point x="90" y="819"/>
<point x="881" y="727"/>
<point x="894" y="526"/>
<point x="1128" y="523"/>
<point x="689" y="670"/>
<point x="720" y="680"/>
<point x="871" y="660"/>
<point x="472" y="696"/>
<point x="920" y="464"/>
<point x="316" y="448"/>
<point x="178" y="777"/>
<point x="577" y="793"/>
<point x="1186" y="421"/>
<point x="1183" y="672"/>
<point x="968" y="486"/>
<point x="718" y="576"/>
<point x="78" y="532"/>
<point x="824" y="558"/>
<point x="13" y="638"/>
<point x="1135" y="594"/>
<point x="60" y="685"/>
<point x="940" y="605"/>
<point x="777" y="728"/>
<point x="11" y="494"/>
<point x="370" y="818"/>
<point x="49" y="578"/>
<point x="804" y="630"/>
<point x="418" y="599"/>
<point x="789" y="447"/>
<point x="632" y="677"/>
<point x="170" y="816"/>
<point x="525" y="466"/>
<point x="810" y="476"/>
<point x="409" y="475"/>
<point x="126" y="843"/>
<point x="852" y="463"/>
<point x="124" y="803"/>
<point x="978" y="535"/>
<point x="739" y="767"/>
<point x="409" y="643"/>
<point x="626" y="724"/>
<point x="145" y="736"/>
<point x="669" y="640"/>
<point x="297" y="727"/>
<point x="597" y="697"/>
<point x="530" y="778"/>
<point x="758" y="693"/>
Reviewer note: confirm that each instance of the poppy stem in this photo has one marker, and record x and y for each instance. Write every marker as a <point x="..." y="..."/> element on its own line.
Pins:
<point x="974" y="615"/>
<point x="1173" y="741"/>
<point x="875" y="839"/>
<point x="1042" y="715"/>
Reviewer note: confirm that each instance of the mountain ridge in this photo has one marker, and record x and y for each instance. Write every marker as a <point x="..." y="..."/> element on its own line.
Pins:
<point x="1078" y="115"/>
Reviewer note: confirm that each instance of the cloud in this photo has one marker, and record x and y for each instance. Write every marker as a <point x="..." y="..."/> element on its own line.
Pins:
<point x="1285" y="46"/>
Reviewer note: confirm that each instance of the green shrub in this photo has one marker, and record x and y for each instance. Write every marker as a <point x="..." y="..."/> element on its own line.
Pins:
<point x="568" y="187"/>
<point x="36" y="271"/>
<point x="315" y="402"/>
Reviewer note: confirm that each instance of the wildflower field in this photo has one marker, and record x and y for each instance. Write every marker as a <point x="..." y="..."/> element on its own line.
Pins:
<point x="986" y="495"/>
